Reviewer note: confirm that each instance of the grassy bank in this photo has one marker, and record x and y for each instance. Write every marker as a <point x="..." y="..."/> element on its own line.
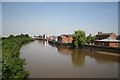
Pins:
<point x="12" y="64"/>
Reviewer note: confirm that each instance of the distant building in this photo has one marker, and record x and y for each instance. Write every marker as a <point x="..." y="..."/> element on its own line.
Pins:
<point x="108" y="42"/>
<point x="106" y="39"/>
<point x="101" y="35"/>
<point x="52" y="38"/>
<point x="42" y="37"/>
<point x="65" y="38"/>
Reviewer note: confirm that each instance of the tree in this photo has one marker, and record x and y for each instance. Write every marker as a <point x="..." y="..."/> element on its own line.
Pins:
<point x="11" y="36"/>
<point x="93" y="39"/>
<point x="4" y="38"/>
<point x="59" y="39"/>
<point x="90" y="39"/>
<point x="118" y="37"/>
<point x="79" y="39"/>
<point x="26" y="35"/>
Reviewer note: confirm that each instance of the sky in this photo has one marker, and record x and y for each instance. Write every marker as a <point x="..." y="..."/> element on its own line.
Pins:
<point x="60" y="0"/>
<point x="0" y="19"/>
<point x="56" y="18"/>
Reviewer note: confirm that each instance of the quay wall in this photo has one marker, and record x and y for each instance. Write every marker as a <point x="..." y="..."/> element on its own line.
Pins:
<point x="115" y="50"/>
<point x="103" y="48"/>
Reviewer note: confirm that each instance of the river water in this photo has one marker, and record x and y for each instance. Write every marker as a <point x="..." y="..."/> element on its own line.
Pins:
<point x="46" y="61"/>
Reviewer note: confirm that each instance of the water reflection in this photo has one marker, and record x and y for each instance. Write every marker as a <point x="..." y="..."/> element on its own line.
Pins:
<point x="79" y="56"/>
<point x="78" y="59"/>
<point x="100" y="57"/>
<point x="44" y="43"/>
<point x="100" y="61"/>
<point x="64" y="50"/>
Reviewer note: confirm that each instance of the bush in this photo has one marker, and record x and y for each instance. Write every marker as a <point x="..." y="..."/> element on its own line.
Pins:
<point x="12" y="64"/>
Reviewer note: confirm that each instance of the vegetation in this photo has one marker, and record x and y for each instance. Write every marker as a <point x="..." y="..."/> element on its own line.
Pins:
<point x="12" y="64"/>
<point x="118" y="37"/>
<point x="79" y="39"/>
<point x="0" y="58"/>
<point x="59" y="39"/>
<point x="90" y="39"/>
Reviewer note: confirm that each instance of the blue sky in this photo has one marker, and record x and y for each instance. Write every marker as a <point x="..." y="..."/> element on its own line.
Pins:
<point x="0" y="19"/>
<point x="55" y="18"/>
<point x="60" y="0"/>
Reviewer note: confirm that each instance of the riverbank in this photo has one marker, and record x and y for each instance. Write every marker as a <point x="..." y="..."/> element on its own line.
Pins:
<point x="12" y="64"/>
<point x="114" y="51"/>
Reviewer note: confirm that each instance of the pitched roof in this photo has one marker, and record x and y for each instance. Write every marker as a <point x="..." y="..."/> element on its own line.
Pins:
<point x="99" y="34"/>
<point x="70" y="35"/>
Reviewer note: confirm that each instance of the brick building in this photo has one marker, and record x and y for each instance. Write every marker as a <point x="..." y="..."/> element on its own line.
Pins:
<point x="101" y="35"/>
<point x="42" y="37"/>
<point x="106" y="39"/>
<point x="108" y="42"/>
<point x="65" y="38"/>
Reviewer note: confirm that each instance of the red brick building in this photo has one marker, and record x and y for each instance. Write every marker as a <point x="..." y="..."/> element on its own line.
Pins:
<point x="101" y="35"/>
<point x="107" y="42"/>
<point x="106" y="39"/>
<point x="65" y="38"/>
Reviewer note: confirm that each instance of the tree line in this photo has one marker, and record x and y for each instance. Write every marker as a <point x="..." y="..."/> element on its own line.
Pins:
<point x="12" y="63"/>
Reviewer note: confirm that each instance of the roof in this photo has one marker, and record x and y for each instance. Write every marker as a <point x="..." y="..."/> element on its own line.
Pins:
<point x="108" y="40"/>
<point x="104" y="34"/>
<point x="69" y="35"/>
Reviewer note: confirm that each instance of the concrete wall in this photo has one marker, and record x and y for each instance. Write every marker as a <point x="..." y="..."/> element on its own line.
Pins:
<point x="108" y="44"/>
<point x="103" y="48"/>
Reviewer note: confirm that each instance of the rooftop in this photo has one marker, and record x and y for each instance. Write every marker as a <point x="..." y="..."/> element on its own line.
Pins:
<point x="104" y="33"/>
<point x="108" y="40"/>
<point x="69" y="35"/>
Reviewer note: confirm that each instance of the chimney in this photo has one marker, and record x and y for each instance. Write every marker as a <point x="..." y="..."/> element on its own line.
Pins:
<point x="98" y="32"/>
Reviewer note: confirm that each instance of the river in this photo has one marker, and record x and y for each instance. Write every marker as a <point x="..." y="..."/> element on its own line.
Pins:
<point x="46" y="61"/>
